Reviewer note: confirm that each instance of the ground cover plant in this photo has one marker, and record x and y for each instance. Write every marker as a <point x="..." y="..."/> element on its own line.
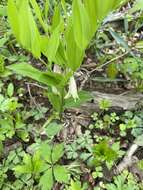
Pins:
<point x="71" y="102"/>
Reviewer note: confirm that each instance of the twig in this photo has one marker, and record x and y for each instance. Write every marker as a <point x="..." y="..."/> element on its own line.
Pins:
<point x="108" y="62"/>
<point x="99" y="67"/>
<point x="34" y="84"/>
<point x="128" y="160"/>
<point x="42" y="61"/>
<point x="33" y="98"/>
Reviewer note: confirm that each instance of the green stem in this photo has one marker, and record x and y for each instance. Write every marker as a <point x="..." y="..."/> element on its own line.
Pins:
<point x="62" y="103"/>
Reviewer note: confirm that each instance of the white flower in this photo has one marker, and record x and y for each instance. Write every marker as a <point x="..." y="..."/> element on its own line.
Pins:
<point x="72" y="89"/>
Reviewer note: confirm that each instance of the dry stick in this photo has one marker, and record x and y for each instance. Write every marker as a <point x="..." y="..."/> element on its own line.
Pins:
<point x="33" y="98"/>
<point x="128" y="160"/>
<point x="37" y="85"/>
<point x="99" y="67"/>
<point x="42" y="61"/>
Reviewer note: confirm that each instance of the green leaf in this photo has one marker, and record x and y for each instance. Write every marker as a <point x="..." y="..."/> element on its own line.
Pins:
<point x="60" y="57"/>
<point x="105" y="104"/>
<point x="46" y="181"/>
<point x="53" y="129"/>
<point x="46" y="9"/>
<point x="83" y="98"/>
<point x="75" y="185"/>
<point x="35" y="37"/>
<point x="23" y="134"/>
<point x="119" y="40"/>
<point x="38" y="163"/>
<point x="139" y="140"/>
<point x="24" y="26"/>
<point x="104" y="8"/>
<point x="61" y="174"/>
<point x="1" y="149"/>
<point x="48" y="78"/>
<point x="10" y="90"/>
<point x="91" y="10"/>
<point x="74" y="54"/>
<point x="55" y="100"/>
<point x="81" y="26"/>
<point x="104" y="151"/>
<point x="140" y="165"/>
<point x="57" y="152"/>
<point x="31" y="165"/>
<point x="27" y="167"/>
<point x="112" y="71"/>
<point x="45" y="151"/>
<point x="63" y="3"/>
<point x="137" y="6"/>
<point x="53" y="44"/>
<point x="3" y="10"/>
<point x="56" y="17"/>
<point x="13" y="17"/>
<point x="3" y="41"/>
<point x="38" y="13"/>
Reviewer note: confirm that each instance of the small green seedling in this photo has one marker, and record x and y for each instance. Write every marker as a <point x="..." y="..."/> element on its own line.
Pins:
<point x="43" y="166"/>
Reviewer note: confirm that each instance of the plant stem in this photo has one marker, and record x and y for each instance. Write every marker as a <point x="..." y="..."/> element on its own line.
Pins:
<point x="62" y="103"/>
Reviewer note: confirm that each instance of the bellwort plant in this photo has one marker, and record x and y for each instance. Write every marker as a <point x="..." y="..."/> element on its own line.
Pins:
<point x="60" y="36"/>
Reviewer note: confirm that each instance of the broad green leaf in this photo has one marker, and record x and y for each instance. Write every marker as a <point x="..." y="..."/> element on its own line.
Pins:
<point x="53" y="44"/>
<point x="55" y="100"/>
<point x="48" y="78"/>
<point x="119" y="40"/>
<point x="27" y="159"/>
<point x="91" y="10"/>
<point x="56" y="17"/>
<point x="104" y="8"/>
<point x="75" y="185"/>
<point x="27" y="167"/>
<point x="53" y="129"/>
<point x="24" y="26"/>
<point x="45" y="151"/>
<point x="74" y="54"/>
<point x="3" y="10"/>
<point x="38" y="163"/>
<point x="38" y="13"/>
<point x="13" y="17"/>
<point x="10" y="89"/>
<point x="60" y="57"/>
<point x="46" y="9"/>
<point x="63" y="3"/>
<point x="81" y="24"/>
<point x="61" y="174"/>
<point x="23" y="169"/>
<point x="44" y="39"/>
<point x="46" y="181"/>
<point x="57" y="152"/>
<point x="138" y="5"/>
<point x="35" y="36"/>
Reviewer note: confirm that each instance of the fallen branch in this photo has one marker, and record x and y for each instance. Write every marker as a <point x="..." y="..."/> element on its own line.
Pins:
<point x="128" y="160"/>
<point x="125" y="101"/>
